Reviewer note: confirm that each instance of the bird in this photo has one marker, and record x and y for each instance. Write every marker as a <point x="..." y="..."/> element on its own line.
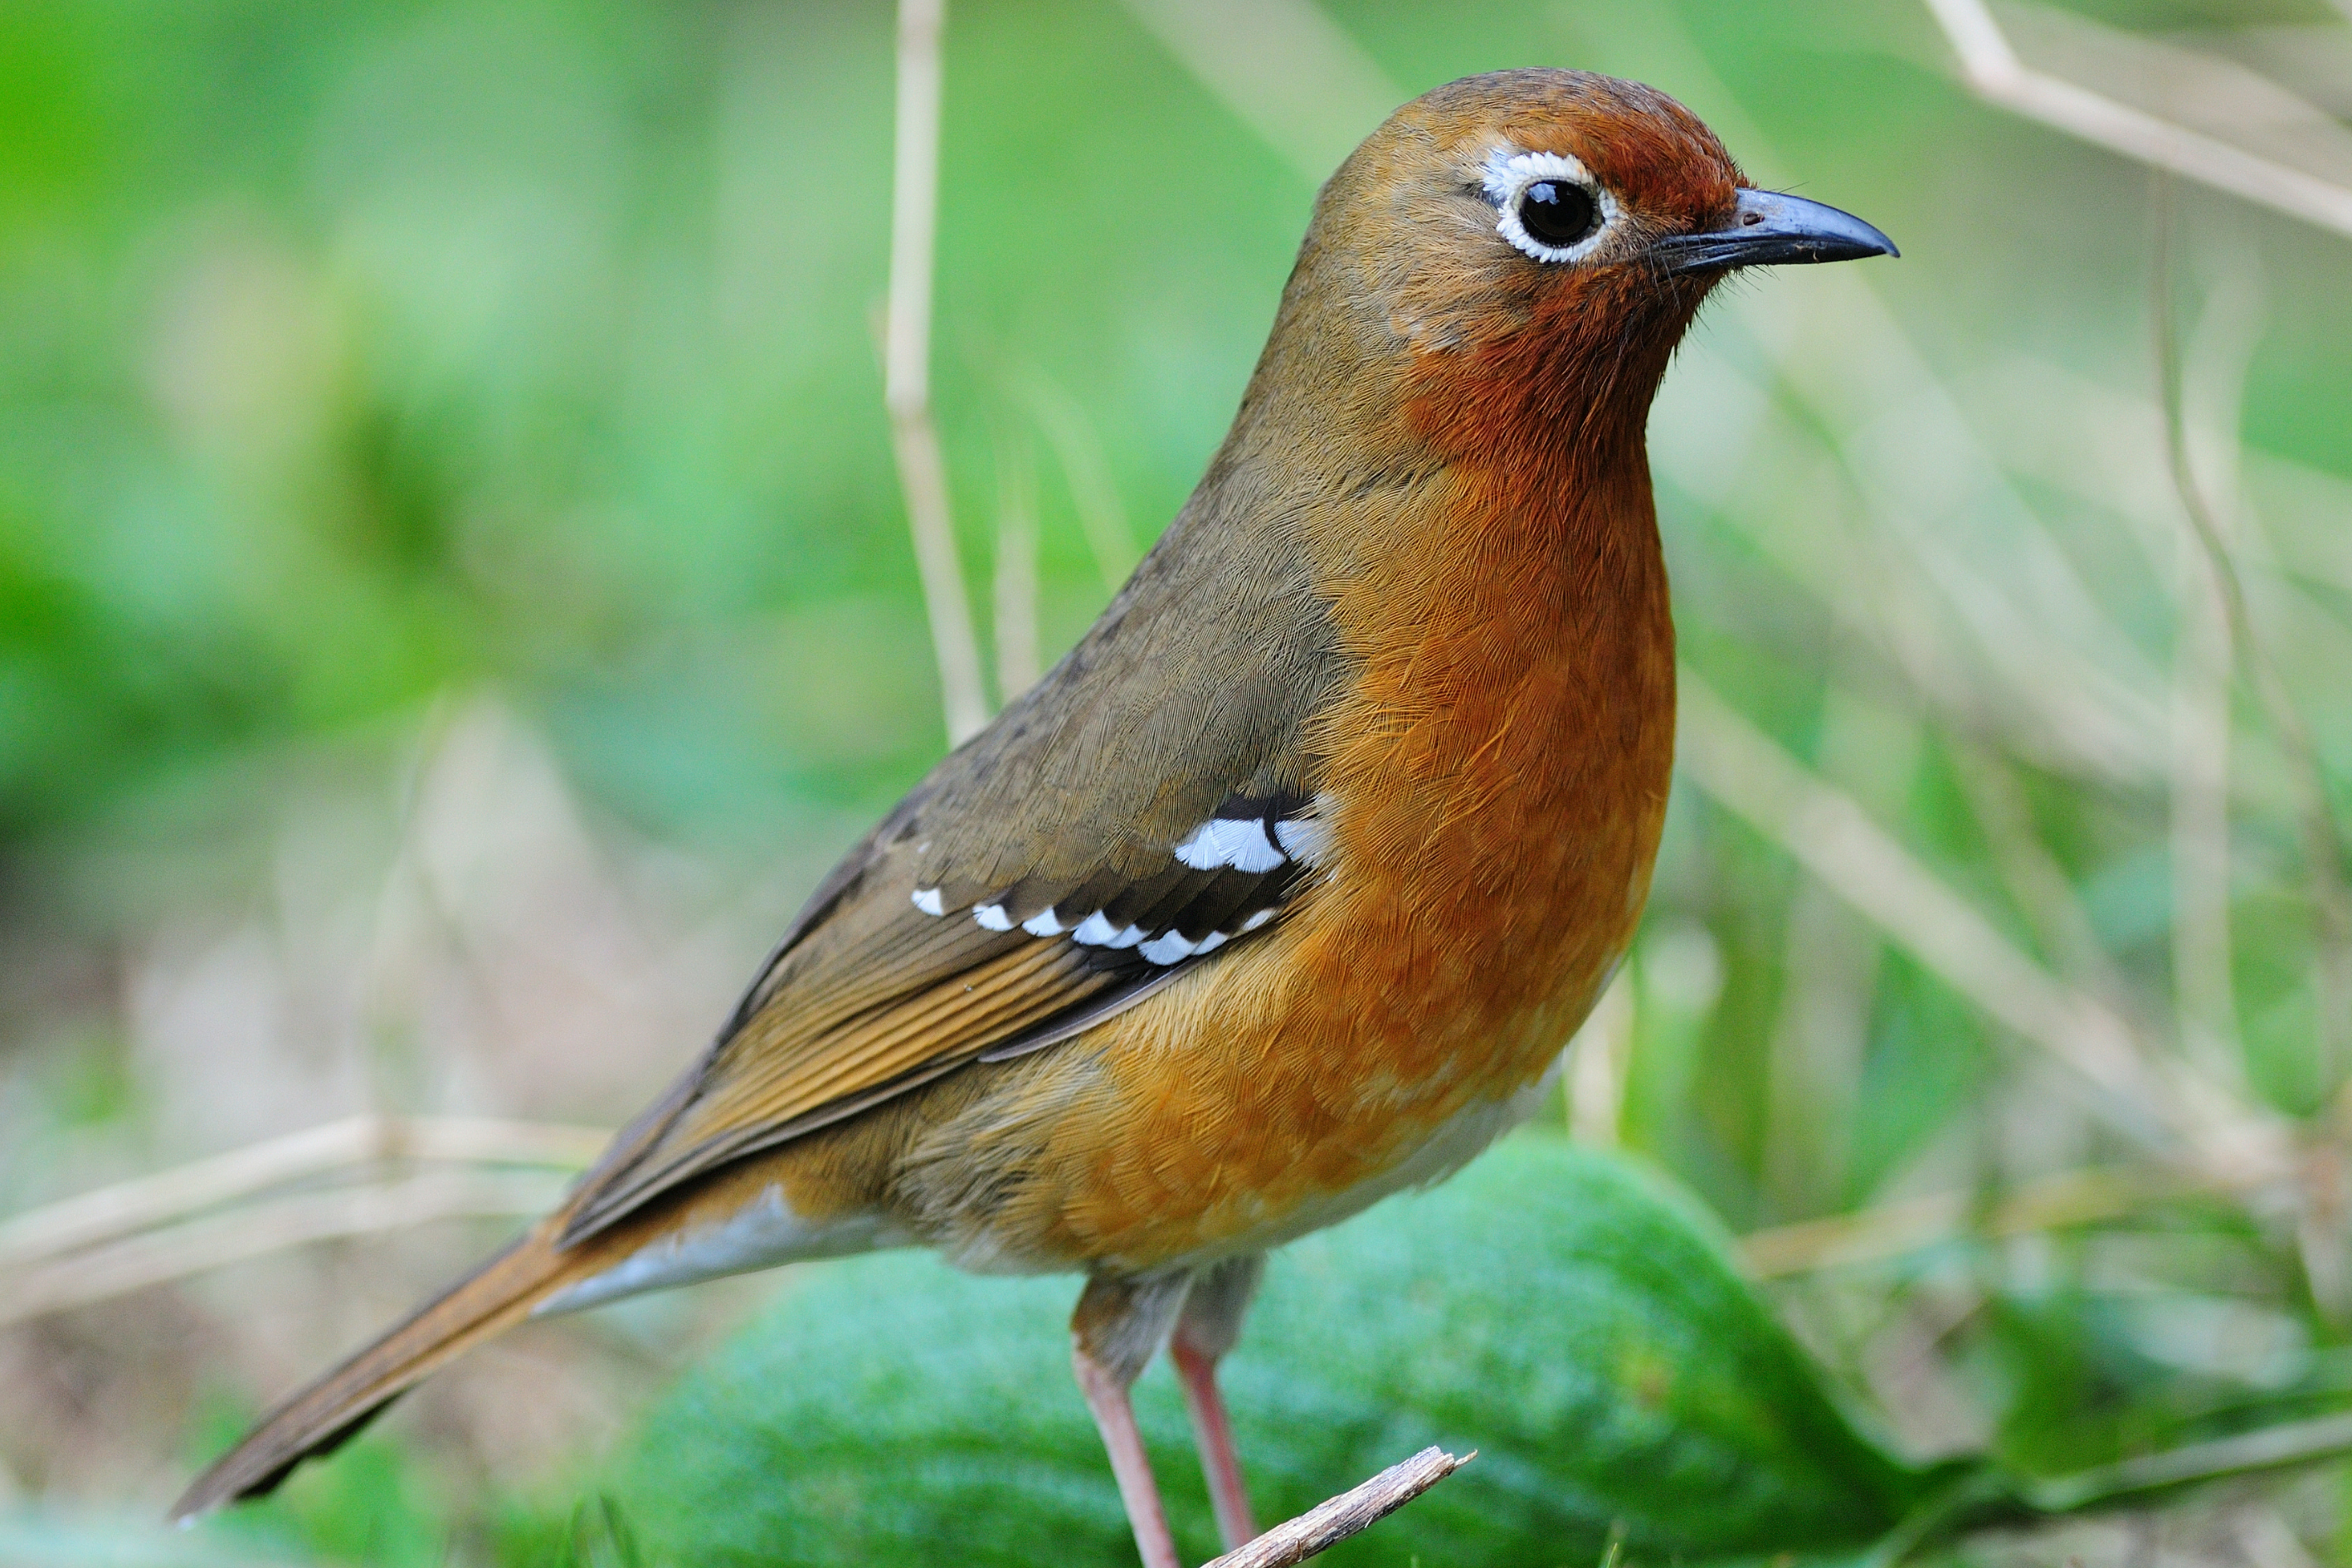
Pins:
<point x="1284" y="889"/>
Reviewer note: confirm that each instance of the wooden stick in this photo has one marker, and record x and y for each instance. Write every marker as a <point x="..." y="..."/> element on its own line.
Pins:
<point x="906" y="367"/>
<point x="1327" y="1524"/>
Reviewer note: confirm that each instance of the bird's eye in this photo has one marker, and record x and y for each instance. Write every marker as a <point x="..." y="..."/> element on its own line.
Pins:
<point x="1558" y="213"/>
<point x="1548" y="204"/>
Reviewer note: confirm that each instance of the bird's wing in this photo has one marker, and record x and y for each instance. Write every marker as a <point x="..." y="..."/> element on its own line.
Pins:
<point x="1150" y="802"/>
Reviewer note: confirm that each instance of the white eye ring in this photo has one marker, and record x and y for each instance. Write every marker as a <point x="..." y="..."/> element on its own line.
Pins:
<point x="1508" y="179"/>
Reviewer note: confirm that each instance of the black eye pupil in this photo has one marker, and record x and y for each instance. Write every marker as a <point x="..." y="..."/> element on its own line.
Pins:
<point x="1558" y="213"/>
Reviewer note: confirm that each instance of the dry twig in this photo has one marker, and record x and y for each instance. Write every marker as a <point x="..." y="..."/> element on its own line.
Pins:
<point x="906" y="367"/>
<point x="1327" y="1524"/>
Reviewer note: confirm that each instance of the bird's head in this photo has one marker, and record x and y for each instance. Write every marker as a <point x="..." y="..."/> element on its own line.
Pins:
<point x="1512" y="257"/>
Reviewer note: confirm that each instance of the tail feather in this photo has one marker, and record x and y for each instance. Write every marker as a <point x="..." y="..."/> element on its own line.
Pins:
<point x="325" y="1414"/>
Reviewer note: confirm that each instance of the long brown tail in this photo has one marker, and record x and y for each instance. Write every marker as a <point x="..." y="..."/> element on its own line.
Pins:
<point x="493" y="1299"/>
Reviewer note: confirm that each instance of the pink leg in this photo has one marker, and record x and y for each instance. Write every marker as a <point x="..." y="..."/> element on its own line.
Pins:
<point x="1206" y="1329"/>
<point x="1106" y="1397"/>
<point x="1119" y="1327"/>
<point x="1212" y="1434"/>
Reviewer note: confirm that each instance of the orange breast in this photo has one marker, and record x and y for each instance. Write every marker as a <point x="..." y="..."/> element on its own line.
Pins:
<point x="1498" y="780"/>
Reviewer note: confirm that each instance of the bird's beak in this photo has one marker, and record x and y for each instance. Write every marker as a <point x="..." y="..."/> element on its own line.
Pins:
<point x="1768" y="228"/>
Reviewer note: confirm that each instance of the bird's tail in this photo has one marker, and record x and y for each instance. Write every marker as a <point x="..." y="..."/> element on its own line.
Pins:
<point x="491" y="1299"/>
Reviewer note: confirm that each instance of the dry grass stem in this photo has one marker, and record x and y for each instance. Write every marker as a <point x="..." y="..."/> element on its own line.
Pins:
<point x="2203" y="988"/>
<point x="1102" y="516"/>
<point x="259" y="1230"/>
<point x="1285" y="69"/>
<point x="1831" y="837"/>
<point x="1352" y="1511"/>
<point x="1899" y="1229"/>
<point x="1598" y="1059"/>
<point x="1017" y="660"/>
<point x="2033" y="877"/>
<point x="906" y="367"/>
<point x="110" y="1213"/>
<point x="1993" y="70"/>
<point x="2246" y="1453"/>
<point x="2330" y="881"/>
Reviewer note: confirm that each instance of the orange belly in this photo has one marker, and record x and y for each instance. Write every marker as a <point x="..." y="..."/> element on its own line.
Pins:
<point x="1463" y="926"/>
<point x="1287" y="1087"/>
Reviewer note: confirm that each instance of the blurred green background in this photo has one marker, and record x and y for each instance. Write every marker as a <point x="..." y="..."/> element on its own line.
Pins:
<point x="454" y="600"/>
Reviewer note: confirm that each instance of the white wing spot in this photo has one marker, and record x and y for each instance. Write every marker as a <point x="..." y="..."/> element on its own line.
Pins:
<point x="1250" y="844"/>
<point x="1226" y="841"/>
<point x="1166" y="948"/>
<point x="1305" y="839"/>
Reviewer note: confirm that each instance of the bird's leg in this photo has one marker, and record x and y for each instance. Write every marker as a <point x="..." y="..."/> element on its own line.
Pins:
<point x="1213" y="1434"/>
<point x="1119" y="1327"/>
<point x="1211" y="1323"/>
